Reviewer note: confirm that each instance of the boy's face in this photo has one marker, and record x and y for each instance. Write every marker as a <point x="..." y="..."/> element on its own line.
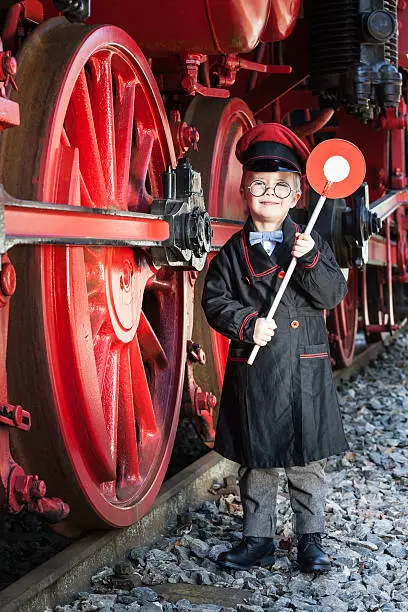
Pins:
<point x="271" y="207"/>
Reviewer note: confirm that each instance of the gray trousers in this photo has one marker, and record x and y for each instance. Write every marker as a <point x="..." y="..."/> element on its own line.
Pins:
<point x="307" y="492"/>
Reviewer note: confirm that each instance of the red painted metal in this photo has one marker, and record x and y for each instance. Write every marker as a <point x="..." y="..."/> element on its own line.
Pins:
<point x="377" y="251"/>
<point x="342" y="322"/>
<point x="109" y="367"/>
<point x="223" y="123"/>
<point x="15" y="416"/>
<point x="390" y="203"/>
<point x="17" y="490"/>
<point x="190" y="84"/>
<point x="222" y="231"/>
<point x="102" y="320"/>
<point x="8" y="68"/>
<point x="315" y="125"/>
<point x="376" y="320"/>
<point x="403" y="34"/>
<point x="9" y="110"/>
<point x="282" y="20"/>
<point x="198" y="405"/>
<point x="184" y="136"/>
<point x="230" y="64"/>
<point x="204" y="26"/>
<point x="24" y="221"/>
<point x="401" y="217"/>
<point x="9" y="113"/>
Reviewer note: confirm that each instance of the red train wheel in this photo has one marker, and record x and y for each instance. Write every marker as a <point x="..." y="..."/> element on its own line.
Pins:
<point x="220" y="123"/>
<point x="97" y="337"/>
<point x="342" y="323"/>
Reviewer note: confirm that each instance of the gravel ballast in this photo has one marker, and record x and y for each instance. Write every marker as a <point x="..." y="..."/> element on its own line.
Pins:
<point x="366" y="524"/>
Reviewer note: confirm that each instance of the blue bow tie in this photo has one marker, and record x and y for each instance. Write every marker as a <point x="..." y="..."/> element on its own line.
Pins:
<point x="257" y="237"/>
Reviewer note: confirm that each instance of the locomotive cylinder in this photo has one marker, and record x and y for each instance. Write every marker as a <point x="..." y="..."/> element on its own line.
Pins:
<point x="161" y="27"/>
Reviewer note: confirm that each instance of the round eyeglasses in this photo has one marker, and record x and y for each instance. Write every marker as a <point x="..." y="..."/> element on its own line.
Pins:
<point x="281" y="189"/>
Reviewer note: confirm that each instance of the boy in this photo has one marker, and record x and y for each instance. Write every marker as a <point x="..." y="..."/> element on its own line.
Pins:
<point x="282" y="411"/>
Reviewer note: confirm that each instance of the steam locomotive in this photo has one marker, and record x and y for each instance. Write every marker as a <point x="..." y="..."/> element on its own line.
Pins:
<point x="120" y="183"/>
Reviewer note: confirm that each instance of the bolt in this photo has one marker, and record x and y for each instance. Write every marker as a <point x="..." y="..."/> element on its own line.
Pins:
<point x="17" y="415"/>
<point x="205" y="401"/>
<point x="189" y="136"/>
<point x="8" y="279"/>
<point x="200" y="400"/>
<point x="211" y="401"/>
<point x="22" y="488"/>
<point x="9" y="64"/>
<point x="38" y="488"/>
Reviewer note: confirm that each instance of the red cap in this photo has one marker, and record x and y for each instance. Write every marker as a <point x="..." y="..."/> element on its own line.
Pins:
<point x="273" y="141"/>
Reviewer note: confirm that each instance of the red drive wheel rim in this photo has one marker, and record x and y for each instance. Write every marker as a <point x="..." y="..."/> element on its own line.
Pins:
<point x="114" y="327"/>
<point x="220" y="123"/>
<point x="342" y="323"/>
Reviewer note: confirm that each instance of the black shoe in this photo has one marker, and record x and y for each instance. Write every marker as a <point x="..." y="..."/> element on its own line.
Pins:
<point x="311" y="556"/>
<point x="251" y="551"/>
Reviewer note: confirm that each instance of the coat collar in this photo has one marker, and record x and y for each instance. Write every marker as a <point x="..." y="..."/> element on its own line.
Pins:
<point x="257" y="260"/>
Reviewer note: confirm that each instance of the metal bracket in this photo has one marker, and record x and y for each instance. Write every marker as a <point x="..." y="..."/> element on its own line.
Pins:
<point x="348" y="230"/>
<point x="76" y="11"/>
<point x="190" y="235"/>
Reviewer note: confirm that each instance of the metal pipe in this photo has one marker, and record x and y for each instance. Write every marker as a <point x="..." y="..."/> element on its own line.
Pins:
<point x="316" y="124"/>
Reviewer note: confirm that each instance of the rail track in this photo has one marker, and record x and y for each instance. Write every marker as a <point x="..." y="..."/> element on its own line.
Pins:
<point x="69" y="571"/>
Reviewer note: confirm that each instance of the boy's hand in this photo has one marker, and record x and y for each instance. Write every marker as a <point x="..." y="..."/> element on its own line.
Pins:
<point x="264" y="330"/>
<point x="302" y="245"/>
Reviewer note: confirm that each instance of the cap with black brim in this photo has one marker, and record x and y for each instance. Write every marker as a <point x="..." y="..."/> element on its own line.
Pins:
<point x="270" y="157"/>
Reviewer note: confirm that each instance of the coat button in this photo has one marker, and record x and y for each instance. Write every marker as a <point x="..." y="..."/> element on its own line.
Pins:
<point x="281" y="274"/>
<point x="294" y="324"/>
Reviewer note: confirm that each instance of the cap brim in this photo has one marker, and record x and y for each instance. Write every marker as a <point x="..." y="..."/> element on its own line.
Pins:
<point x="270" y="164"/>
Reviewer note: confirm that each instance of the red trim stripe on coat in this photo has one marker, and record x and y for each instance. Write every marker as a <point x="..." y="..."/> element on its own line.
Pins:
<point x="252" y="271"/>
<point x="244" y="322"/>
<point x="313" y="355"/>
<point x="314" y="262"/>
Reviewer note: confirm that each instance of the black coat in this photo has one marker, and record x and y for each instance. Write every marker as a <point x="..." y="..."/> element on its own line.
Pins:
<point x="282" y="410"/>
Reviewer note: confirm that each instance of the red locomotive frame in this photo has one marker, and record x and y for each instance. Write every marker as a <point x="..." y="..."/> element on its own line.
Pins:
<point x="101" y="325"/>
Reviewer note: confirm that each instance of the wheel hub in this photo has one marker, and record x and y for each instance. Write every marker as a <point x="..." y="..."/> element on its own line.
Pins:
<point x="124" y="297"/>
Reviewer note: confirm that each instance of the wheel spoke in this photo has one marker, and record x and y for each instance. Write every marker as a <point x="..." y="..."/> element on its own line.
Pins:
<point x="85" y="197"/>
<point x="150" y="347"/>
<point x="110" y="397"/>
<point x="343" y="322"/>
<point x="93" y="415"/>
<point x="143" y="404"/>
<point x="124" y="115"/>
<point x="80" y="129"/>
<point x="67" y="181"/>
<point x="128" y="462"/>
<point x="139" y="199"/>
<point x="101" y="96"/>
<point x="102" y="346"/>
